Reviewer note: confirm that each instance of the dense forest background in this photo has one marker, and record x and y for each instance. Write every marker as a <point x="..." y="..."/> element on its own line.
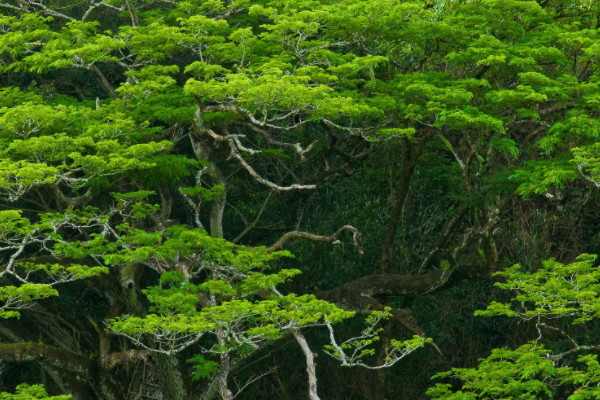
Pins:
<point x="210" y="199"/>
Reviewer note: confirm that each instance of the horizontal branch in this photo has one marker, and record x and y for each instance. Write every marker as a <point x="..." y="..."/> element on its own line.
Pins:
<point x="41" y="8"/>
<point x="364" y="294"/>
<point x="49" y="355"/>
<point x="361" y="293"/>
<point x="318" y="238"/>
<point x="122" y="357"/>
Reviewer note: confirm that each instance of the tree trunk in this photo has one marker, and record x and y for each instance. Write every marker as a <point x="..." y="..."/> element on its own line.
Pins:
<point x="226" y="394"/>
<point x="381" y="390"/>
<point x="411" y="155"/>
<point x="310" y="364"/>
<point x="169" y="378"/>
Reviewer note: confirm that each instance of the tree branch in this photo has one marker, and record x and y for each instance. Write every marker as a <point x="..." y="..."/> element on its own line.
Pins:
<point x="318" y="238"/>
<point x="294" y="146"/>
<point x="236" y="154"/>
<point x="49" y="11"/>
<point x="132" y="13"/>
<point x="411" y="157"/>
<point x="310" y="363"/>
<point x="364" y="294"/>
<point x="103" y="81"/>
<point x="121" y="357"/>
<point x="50" y="355"/>
<point x="253" y="223"/>
<point x="443" y="238"/>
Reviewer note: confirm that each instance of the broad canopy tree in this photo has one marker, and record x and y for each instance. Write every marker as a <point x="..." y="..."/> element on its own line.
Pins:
<point x="159" y="159"/>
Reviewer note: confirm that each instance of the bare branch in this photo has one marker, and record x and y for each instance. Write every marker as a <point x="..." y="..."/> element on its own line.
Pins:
<point x="42" y="8"/>
<point x="50" y="355"/>
<point x="132" y="13"/>
<point x="93" y="6"/>
<point x="253" y="223"/>
<point x="11" y="7"/>
<point x="318" y="238"/>
<point x="103" y="81"/>
<point x="195" y="207"/>
<point x="443" y="238"/>
<point x="49" y="11"/>
<point x="252" y="117"/>
<point x="236" y="154"/>
<point x="250" y="381"/>
<point x="13" y="259"/>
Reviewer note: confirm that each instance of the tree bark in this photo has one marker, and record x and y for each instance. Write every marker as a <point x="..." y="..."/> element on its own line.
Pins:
<point x="411" y="156"/>
<point x="363" y="293"/>
<point x="103" y="81"/>
<point x="169" y="378"/>
<point x="203" y="153"/>
<point x="310" y="364"/>
<point x="224" y="390"/>
<point x="278" y="245"/>
<point x="49" y="355"/>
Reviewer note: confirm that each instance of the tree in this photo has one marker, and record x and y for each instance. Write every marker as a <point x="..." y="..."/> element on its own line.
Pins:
<point x="557" y="297"/>
<point x="158" y="156"/>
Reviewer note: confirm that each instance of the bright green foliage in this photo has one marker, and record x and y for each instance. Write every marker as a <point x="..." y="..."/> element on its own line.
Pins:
<point x="555" y="291"/>
<point x="226" y="306"/>
<point x="357" y="350"/>
<point x="528" y="372"/>
<point x="520" y="374"/>
<point x="203" y="368"/>
<point x="142" y="142"/>
<point x="27" y="392"/>
<point x="18" y="232"/>
<point x="14" y="297"/>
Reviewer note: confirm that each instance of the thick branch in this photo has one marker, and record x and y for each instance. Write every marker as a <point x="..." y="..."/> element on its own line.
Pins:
<point x="122" y="357"/>
<point x="360" y="293"/>
<point x="10" y="6"/>
<point x="203" y="153"/>
<point x="89" y="11"/>
<point x="132" y="13"/>
<point x="103" y="81"/>
<point x="318" y="238"/>
<point x="50" y="355"/>
<point x="443" y="238"/>
<point x="363" y="294"/>
<point x="48" y="11"/>
<point x="412" y="154"/>
<point x="218" y="205"/>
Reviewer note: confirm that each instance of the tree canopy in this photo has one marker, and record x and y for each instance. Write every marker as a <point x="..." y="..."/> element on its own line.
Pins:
<point x="188" y="188"/>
